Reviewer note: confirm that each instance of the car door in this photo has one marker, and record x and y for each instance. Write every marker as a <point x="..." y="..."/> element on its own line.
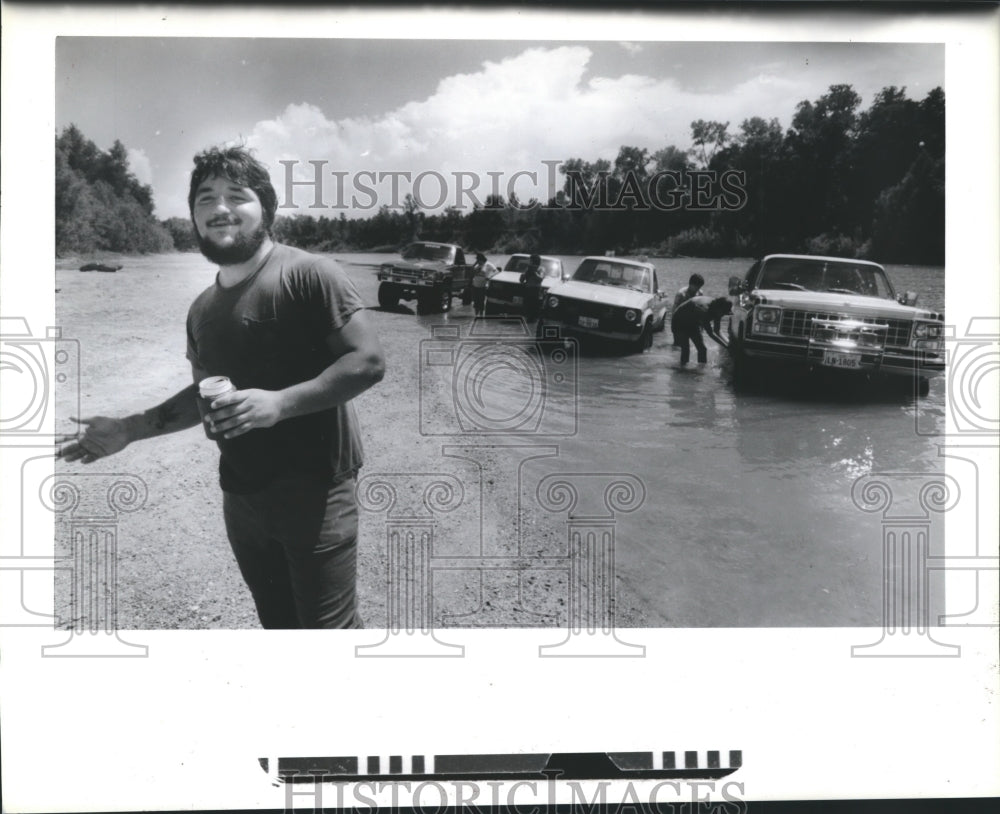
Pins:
<point x="459" y="271"/>
<point x="659" y="303"/>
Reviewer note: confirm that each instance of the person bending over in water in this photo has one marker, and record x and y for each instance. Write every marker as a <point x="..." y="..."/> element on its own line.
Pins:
<point x="695" y="314"/>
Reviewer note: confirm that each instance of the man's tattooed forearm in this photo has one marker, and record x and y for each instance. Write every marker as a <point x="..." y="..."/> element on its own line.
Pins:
<point x="165" y="414"/>
<point x="176" y="413"/>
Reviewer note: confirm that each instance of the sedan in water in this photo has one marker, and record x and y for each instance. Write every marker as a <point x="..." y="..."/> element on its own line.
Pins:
<point x="608" y="298"/>
<point x="829" y="313"/>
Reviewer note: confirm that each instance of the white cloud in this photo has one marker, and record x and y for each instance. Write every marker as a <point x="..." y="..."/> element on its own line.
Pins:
<point x="508" y="116"/>
<point x="631" y="47"/>
<point x="140" y="165"/>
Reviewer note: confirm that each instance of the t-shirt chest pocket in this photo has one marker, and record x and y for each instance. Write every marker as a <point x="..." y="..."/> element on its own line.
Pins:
<point x="264" y="339"/>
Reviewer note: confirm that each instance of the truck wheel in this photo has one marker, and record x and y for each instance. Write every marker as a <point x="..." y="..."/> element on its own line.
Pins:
<point x="923" y="386"/>
<point x="425" y="301"/>
<point x="744" y="370"/>
<point x="388" y="296"/>
<point x="645" y="340"/>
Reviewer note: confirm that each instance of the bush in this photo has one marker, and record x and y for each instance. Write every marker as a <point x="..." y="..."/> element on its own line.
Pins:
<point x="833" y="245"/>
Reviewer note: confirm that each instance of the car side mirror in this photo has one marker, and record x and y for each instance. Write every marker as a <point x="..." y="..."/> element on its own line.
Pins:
<point x="736" y="285"/>
<point x="909" y="298"/>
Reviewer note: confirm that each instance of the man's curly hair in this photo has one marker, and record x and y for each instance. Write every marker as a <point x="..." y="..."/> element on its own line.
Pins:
<point x="239" y="166"/>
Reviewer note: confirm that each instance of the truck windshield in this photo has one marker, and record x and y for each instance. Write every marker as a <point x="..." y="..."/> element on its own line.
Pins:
<point x="552" y="268"/>
<point x="614" y="274"/>
<point x="805" y="274"/>
<point x="519" y="262"/>
<point x="424" y="251"/>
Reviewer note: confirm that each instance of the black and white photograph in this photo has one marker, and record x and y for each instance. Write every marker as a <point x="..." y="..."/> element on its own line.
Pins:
<point x="675" y="165"/>
<point x="652" y="352"/>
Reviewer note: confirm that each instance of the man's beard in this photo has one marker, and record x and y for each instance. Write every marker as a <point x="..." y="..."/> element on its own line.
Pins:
<point x="240" y="250"/>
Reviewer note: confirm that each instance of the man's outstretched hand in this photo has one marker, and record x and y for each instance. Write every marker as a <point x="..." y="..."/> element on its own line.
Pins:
<point x="101" y="437"/>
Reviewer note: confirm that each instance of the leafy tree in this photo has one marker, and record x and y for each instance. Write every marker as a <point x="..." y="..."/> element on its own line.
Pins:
<point x="182" y="233"/>
<point x="708" y="138"/>
<point x="100" y="205"/>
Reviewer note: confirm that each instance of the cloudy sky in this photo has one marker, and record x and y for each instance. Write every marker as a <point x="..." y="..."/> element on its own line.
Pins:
<point x="455" y="106"/>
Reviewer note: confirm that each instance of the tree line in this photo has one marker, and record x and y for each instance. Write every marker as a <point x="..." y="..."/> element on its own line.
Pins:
<point x="839" y="181"/>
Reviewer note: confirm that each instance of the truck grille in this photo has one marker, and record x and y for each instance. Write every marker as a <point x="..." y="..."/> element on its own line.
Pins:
<point x="406" y="274"/>
<point x="798" y="323"/>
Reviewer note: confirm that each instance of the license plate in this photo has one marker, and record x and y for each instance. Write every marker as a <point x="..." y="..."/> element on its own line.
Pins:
<point x="518" y="300"/>
<point x="588" y="322"/>
<point x="846" y="360"/>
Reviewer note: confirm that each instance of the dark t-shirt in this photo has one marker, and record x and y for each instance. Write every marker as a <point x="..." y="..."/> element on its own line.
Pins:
<point x="693" y="314"/>
<point x="532" y="276"/>
<point x="268" y="332"/>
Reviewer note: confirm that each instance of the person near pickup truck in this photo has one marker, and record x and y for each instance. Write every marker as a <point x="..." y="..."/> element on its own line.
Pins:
<point x="531" y="277"/>
<point x="693" y="315"/>
<point x="692" y="289"/>
<point x="481" y="273"/>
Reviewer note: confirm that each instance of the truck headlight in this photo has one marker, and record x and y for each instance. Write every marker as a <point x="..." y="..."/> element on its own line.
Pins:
<point x="928" y="330"/>
<point x="929" y="335"/>
<point x="630" y="315"/>
<point x="766" y="319"/>
<point x="553" y="302"/>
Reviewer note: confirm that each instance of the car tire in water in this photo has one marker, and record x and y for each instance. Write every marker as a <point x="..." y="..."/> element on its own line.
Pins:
<point x="645" y="339"/>
<point x="425" y="301"/>
<point x="743" y="373"/>
<point x="388" y="296"/>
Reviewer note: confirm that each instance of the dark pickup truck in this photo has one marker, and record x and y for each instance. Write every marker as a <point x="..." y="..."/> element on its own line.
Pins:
<point x="430" y="273"/>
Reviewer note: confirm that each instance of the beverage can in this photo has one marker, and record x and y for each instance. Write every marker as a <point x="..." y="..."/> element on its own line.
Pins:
<point x="208" y="390"/>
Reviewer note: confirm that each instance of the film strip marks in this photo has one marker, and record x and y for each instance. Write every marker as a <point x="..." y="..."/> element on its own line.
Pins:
<point x="669" y="765"/>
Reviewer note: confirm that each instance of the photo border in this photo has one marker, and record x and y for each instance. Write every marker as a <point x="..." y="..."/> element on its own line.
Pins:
<point x="189" y="721"/>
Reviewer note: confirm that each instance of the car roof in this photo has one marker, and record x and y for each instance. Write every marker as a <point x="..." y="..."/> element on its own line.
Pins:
<point x="820" y="257"/>
<point x="624" y="261"/>
<point x="432" y="243"/>
<point x="525" y="254"/>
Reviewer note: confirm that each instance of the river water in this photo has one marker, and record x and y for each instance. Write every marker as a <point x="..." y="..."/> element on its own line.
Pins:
<point x="748" y="517"/>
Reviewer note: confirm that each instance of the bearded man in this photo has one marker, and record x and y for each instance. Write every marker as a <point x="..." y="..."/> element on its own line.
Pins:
<point x="290" y="331"/>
